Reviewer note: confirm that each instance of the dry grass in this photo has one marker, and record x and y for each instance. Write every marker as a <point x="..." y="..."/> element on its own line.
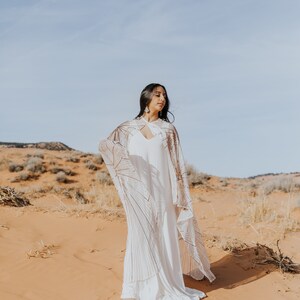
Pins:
<point x="44" y="251"/>
<point x="104" y="196"/>
<point x="103" y="178"/>
<point x="261" y="213"/>
<point x="255" y="210"/>
<point x="195" y="177"/>
<point x="4" y="164"/>
<point x="100" y="199"/>
<point x="286" y="184"/>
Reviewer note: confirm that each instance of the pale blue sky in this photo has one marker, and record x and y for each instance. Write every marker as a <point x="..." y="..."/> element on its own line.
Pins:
<point x="72" y="70"/>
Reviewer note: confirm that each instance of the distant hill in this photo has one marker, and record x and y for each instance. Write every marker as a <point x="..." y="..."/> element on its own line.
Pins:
<point x="41" y="145"/>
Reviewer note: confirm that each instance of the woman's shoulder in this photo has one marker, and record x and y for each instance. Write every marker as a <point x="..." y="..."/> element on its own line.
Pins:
<point x="124" y="124"/>
<point x="136" y="121"/>
<point x="168" y="125"/>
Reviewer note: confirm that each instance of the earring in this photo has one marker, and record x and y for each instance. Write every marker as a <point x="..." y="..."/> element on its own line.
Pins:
<point x="159" y="113"/>
<point x="147" y="109"/>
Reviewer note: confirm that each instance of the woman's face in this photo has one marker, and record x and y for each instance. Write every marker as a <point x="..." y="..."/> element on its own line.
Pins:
<point x="158" y="100"/>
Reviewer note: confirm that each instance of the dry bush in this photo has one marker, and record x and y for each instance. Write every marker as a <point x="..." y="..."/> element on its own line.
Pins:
<point x="195" y="177"/>
<point x="226" y="243"/>
<point x="261" y="211"/>
<point x="39" y="153"/>
<point x="104" y="196"/>
<point x="266" y="255"/>
<point x="255" y="210"/>
<point x="10" y="197"/>
<point x="286" y="185"/>
<point x="25" y="176"/>
<point x="61" y="177"/>
<point x="4" y="163"/>
<point x="80" y="198"/>
<point x="98" y="159"/>
<point x="86" y="155"/>
<point x="35" y="165"/>
<point x="73" y="158"/>
<point x="256" y="254"/>
<point x="13" y="167"/>
<point x="35" y="189"/>
<point x="68" y="172"/>
<point x="104" y="178"/>
<point x="224" y="181"/>
<point x="91" y="166"/>
<point x="233" y="245"/>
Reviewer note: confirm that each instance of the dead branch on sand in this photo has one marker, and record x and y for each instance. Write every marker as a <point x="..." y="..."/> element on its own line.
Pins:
<point x="8" y="196"/>
<point x="267" y="255"/>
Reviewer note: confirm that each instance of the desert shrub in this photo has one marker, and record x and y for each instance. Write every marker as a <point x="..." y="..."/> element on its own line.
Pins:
<point x="80" y="198"/>
<point x="261" y="210"/>
<point x="9" y="196"/>
<point x="98" y="159"/>
<point x="104" y="196"/>
<point x="257" y="210"/>
<point x="61" y="177"/>
<point x="86" y="155"/>
<point x="25" y="176"/>
<point x="68" y="172"/>
<point x="73" y="158"/>
<point x="35" y="165"/>
<point x="103" y="178"/>
<point x="4" y="163"/>
<point x="195" y="177"/>
<point x="91" y="166"/>
<point x="13" y="167"/>
<point x="37" y="153"/>
<point x="281" y="184"/>
<point x="224" y="181"/>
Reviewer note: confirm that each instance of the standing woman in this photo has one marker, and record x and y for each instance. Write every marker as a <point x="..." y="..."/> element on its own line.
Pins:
<point x="145" y="160"/>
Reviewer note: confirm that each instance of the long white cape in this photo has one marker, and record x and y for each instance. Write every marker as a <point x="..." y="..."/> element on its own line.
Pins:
<point x="140" y="207"/>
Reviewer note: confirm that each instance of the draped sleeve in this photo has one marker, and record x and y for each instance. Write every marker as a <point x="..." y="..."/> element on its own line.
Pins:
<point x="194" y="257"/>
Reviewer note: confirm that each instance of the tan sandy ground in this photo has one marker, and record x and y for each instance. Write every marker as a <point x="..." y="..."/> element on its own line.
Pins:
<point x="58" y="249"/>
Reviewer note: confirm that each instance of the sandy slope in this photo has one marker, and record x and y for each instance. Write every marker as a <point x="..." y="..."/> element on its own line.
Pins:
<point x="83" y="252"/>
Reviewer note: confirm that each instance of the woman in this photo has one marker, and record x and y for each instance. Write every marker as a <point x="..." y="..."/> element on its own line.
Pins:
<point x="145" y="161"/>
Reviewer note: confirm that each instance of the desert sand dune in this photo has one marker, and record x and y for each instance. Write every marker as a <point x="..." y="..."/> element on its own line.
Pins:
<point x="69" y="244"/>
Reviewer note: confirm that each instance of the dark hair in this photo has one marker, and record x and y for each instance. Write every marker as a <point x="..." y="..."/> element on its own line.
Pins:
<point x="146" y="97"/>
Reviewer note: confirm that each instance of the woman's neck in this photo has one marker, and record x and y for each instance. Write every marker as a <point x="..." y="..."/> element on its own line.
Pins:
<point x="150" y="117"/>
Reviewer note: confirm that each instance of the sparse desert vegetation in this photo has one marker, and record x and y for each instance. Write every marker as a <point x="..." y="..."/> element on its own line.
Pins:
<point x="195" y="177"/>
<point x="75" y="206"/>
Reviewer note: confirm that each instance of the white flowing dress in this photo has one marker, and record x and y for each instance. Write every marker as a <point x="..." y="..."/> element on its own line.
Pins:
<point x="150" y="160"/>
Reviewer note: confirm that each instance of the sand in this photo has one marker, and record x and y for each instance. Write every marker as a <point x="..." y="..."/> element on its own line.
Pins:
<point x="60" y="249"/>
